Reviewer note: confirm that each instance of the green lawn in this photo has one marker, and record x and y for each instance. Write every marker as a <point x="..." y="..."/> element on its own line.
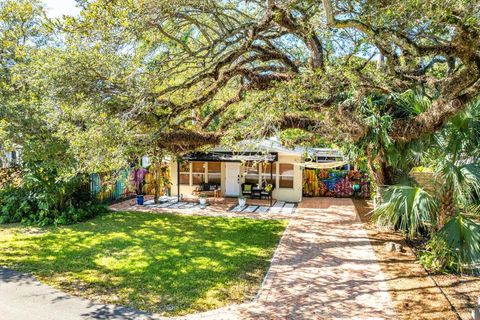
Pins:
<point x="169" y="264"/>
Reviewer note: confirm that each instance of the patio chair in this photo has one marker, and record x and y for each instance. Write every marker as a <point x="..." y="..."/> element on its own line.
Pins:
<point x="266" y="194"/>
<point x="247" y="189"/>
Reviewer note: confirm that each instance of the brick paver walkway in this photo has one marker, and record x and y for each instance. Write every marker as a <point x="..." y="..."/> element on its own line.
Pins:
<point x="325" y="268"/>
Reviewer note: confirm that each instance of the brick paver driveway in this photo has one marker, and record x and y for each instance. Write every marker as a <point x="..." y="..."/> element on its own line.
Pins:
<point x="324" y="268"/>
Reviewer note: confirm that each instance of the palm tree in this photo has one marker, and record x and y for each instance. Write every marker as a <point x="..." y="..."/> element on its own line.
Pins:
<point x="454" y="155"/>
<point x="456" y="162"/>
<point x="409" y="209"/>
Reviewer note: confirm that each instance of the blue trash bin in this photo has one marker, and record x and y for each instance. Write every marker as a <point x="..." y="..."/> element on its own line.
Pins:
<point x="140" y="199"/>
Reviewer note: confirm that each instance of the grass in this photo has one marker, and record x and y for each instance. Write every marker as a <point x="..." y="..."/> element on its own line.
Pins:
<point x="169" y="264"/>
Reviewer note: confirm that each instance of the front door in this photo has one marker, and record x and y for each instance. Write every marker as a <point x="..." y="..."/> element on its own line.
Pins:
<point x="232" y="179"/>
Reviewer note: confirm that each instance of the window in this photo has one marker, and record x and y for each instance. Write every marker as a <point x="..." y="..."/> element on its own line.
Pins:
<point x="214" y="172"/>
<point x="185" y="173"/>
<point x="266" y="173"/>
<point x="286" y="175"/>
<point x="198" y="172"/>
<point x="251" y="172"/>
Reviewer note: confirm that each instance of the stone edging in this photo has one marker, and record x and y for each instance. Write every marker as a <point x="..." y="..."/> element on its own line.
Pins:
<point x="275" y="256"/>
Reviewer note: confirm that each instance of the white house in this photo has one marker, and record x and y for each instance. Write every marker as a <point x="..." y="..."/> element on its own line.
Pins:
<point x="9" y="158"/>
<point x="256" y="164"/>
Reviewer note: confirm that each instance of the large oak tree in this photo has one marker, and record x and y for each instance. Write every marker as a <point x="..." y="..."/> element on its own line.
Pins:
<point x="195" y="70"/>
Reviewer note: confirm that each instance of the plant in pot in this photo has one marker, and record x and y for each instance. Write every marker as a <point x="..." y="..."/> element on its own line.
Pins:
<point x="139" y="181"/>
<point x="268" y="188"/>
<point x="202" y="198"/>
<point x="242" y="201"/>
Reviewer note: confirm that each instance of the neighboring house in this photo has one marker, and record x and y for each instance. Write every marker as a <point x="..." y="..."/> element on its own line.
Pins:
<point x="266" y="162"/>
<point x="7" y="159"/>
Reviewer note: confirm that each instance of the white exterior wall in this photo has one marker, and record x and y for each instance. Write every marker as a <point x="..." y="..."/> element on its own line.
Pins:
<point x="282" y="194"/>
<point x="7" y="158"/>
<point x="184" y="189"/>
<point x="295" y="194"/>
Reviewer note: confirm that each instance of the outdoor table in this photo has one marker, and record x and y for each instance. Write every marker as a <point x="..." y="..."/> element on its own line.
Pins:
<point x="257" y="192"/>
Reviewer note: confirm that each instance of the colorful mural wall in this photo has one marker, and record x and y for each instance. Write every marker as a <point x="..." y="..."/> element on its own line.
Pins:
<point x="335" y="183"/>
<point x="119" y="185"/>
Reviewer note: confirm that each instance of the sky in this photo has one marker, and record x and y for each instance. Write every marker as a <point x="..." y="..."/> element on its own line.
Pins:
<point x="57" y="8"/>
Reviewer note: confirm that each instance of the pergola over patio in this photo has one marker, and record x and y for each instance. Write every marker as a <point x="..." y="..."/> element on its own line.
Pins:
<point x="227" y="156"/>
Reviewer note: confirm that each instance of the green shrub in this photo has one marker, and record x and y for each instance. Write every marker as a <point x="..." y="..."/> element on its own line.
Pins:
<point x="74" y="215"/>
<point x="454" y="248"/>
<point x="40" y="202"/>
<point x="14" y="203"/>
<point x="439" y="257"/>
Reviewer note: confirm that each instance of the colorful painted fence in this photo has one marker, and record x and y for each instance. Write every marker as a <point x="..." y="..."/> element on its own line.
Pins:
<point x="113" y="187"/>
<point x="162" y="173"/>
<point x="335" y="183"/>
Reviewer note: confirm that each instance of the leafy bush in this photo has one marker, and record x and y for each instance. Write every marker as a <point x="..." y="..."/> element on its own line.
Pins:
<point x="19" y="204"/>
<point x="454" y="248"/>
<point x="74" y="215"/>
<point x="15" y="204"/>
<point x="11" y="175"/>
<point x="43" y="199"/>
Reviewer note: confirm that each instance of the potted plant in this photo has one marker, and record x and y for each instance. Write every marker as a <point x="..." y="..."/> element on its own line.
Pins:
<point x="268" y="188"/>
<point x="242" y="201"/>
<point x="202" y="198"/>
<point x="139" y="181"/>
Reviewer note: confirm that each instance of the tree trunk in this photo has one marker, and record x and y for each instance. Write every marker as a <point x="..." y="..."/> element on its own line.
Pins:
<point x="157" y="182"/>
<point x="378" y="179"/>
<point x="447" y="208"/>
<point x="388" y="174"/>
<point x="383" y="176"/>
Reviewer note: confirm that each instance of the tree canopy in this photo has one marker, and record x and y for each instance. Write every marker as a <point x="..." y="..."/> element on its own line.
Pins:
<point x="395" y="83"/>
<point x="193" y="71"/>
<point x="181" y="75"/>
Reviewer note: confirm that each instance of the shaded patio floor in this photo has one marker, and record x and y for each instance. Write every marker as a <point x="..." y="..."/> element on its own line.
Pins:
<point x="216" y="207"/>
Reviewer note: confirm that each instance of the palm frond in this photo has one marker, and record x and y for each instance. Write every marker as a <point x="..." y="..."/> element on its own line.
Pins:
<point x="412" y="103"/>
<point x="473" y="211"/>
<point x="462" y="235"/>
<point x="409" y="209"/>
<point x="462" y="179"/>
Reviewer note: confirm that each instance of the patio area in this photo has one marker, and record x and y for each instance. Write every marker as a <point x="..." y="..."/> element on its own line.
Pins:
<point x="216" y="207"/>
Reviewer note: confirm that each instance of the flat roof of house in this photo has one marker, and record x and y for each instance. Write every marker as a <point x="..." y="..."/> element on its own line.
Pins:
<point x="274" y="145"/>
<point x="228" y="156"/>
<point x="259" y="150"/>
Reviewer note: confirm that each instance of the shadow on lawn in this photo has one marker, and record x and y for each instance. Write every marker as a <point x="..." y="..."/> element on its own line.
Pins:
<point x="158" y="263"/>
